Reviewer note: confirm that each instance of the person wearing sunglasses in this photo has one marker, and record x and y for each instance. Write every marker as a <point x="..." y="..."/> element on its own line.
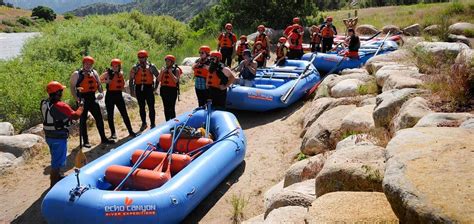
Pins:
<point x="143" y="85"/>
<point x="169" y="82"/>
<point x="84" y="84"/>
<point x="201" y="70"/>
<point x="226" y="44"/>
<point x="218" y="80"/>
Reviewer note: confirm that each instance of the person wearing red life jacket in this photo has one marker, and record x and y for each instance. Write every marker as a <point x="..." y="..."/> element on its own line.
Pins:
<point x="289" y="29"/>
<point x="295" y="41"/>
<point x="226" y="44"/>
<point x="243" y="45"/>
<point x="259" y="54"/>
<point x="315" y="37"/>
<point x="115" y="84"/>
<point x="281" y="51"/>
<point x="219" y="79"/>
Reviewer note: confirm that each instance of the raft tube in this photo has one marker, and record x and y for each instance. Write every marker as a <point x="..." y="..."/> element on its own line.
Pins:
<point x="170" y="203"/>
<point x="271" y="84"/>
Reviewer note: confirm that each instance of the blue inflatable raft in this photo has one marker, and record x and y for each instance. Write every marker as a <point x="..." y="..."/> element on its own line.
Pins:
<point x="95" y="201"/>
<point x="326" y="62"/>
<point x="275" y="87"/>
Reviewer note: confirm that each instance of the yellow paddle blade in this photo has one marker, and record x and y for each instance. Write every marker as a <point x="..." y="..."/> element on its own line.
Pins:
<point x="80" y="159"/>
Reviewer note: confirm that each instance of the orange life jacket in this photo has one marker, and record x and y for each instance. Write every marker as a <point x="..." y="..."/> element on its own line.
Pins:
<point x="227" y="40"/>
<point x="167" y="79"/>
<point x="352" y="54"/>
<point x="296" y="41"/>
<point x="199" y="70"/>
<point x="256" y="52"/>
<point x="143" y="76"/>
<point x="327" y="32"/>
<point x="89" y="83"/>
<point x="280" y="51"/>
<point x="117" y="83"/>
<point x="241" y="48"/>
<point x="263" y="39"/>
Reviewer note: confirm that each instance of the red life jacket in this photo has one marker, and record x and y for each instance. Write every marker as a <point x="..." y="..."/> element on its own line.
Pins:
<point x="89" y="83"/>
<point x="116" y="83"/>
<point x="241" y="48"/>
<point x="327" y="32"/>
<point x="296" y="41"/>
<point x="143" y="76"/>
<point x="263" y="39"/>
<point x="227" y="39"/>
<point x="280" y="51"/>
<point x="167" y="79"/>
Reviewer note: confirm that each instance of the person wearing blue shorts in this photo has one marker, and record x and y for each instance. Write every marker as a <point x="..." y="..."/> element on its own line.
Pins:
<point x="57" y="117"/>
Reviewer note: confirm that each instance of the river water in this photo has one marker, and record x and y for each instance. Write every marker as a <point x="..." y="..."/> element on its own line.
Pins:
<point x="11" y="44"/>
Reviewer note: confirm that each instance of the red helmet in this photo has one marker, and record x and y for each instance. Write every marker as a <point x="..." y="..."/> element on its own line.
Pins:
<point x="261" y="27"/>
<point x="142" y="54"/>
<point x="243" y="37"/>
<point x="205" y="48"/>
<point x="296" y="20"/>
<point x="228" y="26"/>
<point x="116" y="61"/>
<point x="88" y="59"/>
<point x="282" y="40"/>
<point x="329" y="18"/>
<point x="216" y="54"/>
<point x="259" y="43"/>
<point x="54" y="86"/>
<point x="170" y="57"/>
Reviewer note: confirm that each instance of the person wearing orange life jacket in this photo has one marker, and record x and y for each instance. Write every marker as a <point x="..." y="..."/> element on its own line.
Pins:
<point x="218" y="80"/>
<point x="263" y="38"/>
<point x="281" y="51"/>
<point x="353" y="44"/>
<point x="328" y="31"/>
<point x="169" y="81"/>
<point x="201" y="70"/>
<point x="289" y="29"/>
<point x="243" y="45"/>
<point x="258" y="54"/>
<point x="143" y="85"/>
<point x="315" y="37"/>
<point x="115" y="83"/>
<point x="57" y="117"/>
<point x="226" y="44"/>
<point x="295" y="40"/>
<point x="84" y="83"/>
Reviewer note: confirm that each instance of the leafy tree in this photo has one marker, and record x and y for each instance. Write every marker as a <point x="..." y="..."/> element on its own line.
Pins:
<point x="68" y="16"/>
<point x="44" y="12"/>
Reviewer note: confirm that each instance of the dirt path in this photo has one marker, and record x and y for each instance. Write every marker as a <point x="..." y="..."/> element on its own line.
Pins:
<point x="272" y="140"/>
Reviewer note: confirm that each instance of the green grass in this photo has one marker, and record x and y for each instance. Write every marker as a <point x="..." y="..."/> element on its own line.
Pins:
<point x="58" y="52"/>
<point x="238" y="204"/>
<point x="369" y="88"/>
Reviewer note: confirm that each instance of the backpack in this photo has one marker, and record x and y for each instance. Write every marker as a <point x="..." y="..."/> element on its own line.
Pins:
<point x="188" y="132"/>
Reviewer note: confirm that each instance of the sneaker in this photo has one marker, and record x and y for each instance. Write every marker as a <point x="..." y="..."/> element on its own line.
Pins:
<point x="132" y="134"/>
<point x="107" y="141"/>
<point x="143" y="127"/>
<point x="152" y="126"/>
<point x="87" y="145"/>
<point x="113" y="136"/>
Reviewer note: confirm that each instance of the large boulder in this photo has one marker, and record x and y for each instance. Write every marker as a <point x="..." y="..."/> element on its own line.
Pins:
<point x="443" y="119"/>
<point x="259" y="219"/>
<point x="187" y="74"/>
<point x="439" y="50"/>
<point x="460" y="39"/>
<point x="351" y="207"/>
<point x="189" y="61"/>
<point x="6" y="160"/>
<point x="359" y="120"/>
<point x="323" y="133"/>
<point x="354" y="140"/>
<point x="461" y="29"/>
<point x="389" y="103"/>
<point x="6" y="129"/>
<point x="465" y="57"/>
<point x="413" y="30"/>
<point x="368" y="101"/>
<point x="332" y="81"/>
<point x="130" y="102"/>
<point x="354" y="70"/>
<point x="429" y="175"/>
<point x="386" y="71"/>
<point x="392" y="28"/>
<point x="346" y="88"/>
<point x="36" y="130"/>
<point x="21" y="145"/>
<point x="357" y="168"/>
<point x="287" y="214"/>
<point x="366" y="29"/>
<point x="469" y="124"/>
<point x="433" y="29"/>
<point x="299" y="194"/>
<point x="411" y="112"/>
<point x="305" y="169"/>
<point x="397" y="81"/>
<point x="271" y="33"/>
<point x="395" y="57"/>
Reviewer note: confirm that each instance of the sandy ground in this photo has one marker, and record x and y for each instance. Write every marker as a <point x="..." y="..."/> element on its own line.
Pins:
<point x="272" y="142"/>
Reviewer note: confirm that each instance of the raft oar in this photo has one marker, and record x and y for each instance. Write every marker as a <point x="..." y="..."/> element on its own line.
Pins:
<point x="381" y="45"/>
<point x="140" y="159"/>
<point x="208" y="118"/>
<point x="288" y="94"/>
<point x="201" y="149"/>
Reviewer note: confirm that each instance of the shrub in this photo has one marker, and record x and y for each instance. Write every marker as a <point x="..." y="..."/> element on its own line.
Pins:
<point x="25" y="21"/>
<point x="454" y="8"/>
<point x="69" y="15"/>
<point x="44" y="12"/>
<point x="238" y="204"/>
<point x="8" y="23"/>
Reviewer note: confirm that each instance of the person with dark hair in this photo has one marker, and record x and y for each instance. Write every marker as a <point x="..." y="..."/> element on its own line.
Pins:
<point x="57" y="117"/>
<point x="295" y="39"/>
<point x="315" y="37"/>
<point x="247" y="69"/>
<point x="143" y="85"/>
<point x="169" y="82"/>
<point x="115" y="83"/>
<point x="84" y="84"/>
<point x="281" y="51"/>
<point x="218" y="80"/>
<point x="259" y="54"/>
<point x="353" y="44"/>
<point x="328" y="31"/>
<point x="201" y="70"/>
<point x="226" y="44"/>
<point x="243" y="45"/>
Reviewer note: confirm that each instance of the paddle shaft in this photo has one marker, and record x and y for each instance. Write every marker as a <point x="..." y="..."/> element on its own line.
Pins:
<point x="383" y="42"/>
<point x="287" y="95"/>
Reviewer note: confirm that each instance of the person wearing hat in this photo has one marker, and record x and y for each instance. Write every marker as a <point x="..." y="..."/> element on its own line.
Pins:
<point x="169" y="82"/>
<point x="265" y="40"/>
<point x="281" y="51"/>
<point x="259" y="54"/>
<point x="243" y="45"/>
<point x="143" y="85"/>
<point x="247" y="69"/>
<point x="226" y="44"/>
<point x="84" y="84"/>
<point x="57" y="117"/>
<point x="289" y="29"/>
<point x="201" y="70"/>
<point x="295" y="40"/>
<point x="115" y="83"/>
<point x="315" y="37"/>
<point x="328" y="31"/>
<point x="218" y="80"/>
